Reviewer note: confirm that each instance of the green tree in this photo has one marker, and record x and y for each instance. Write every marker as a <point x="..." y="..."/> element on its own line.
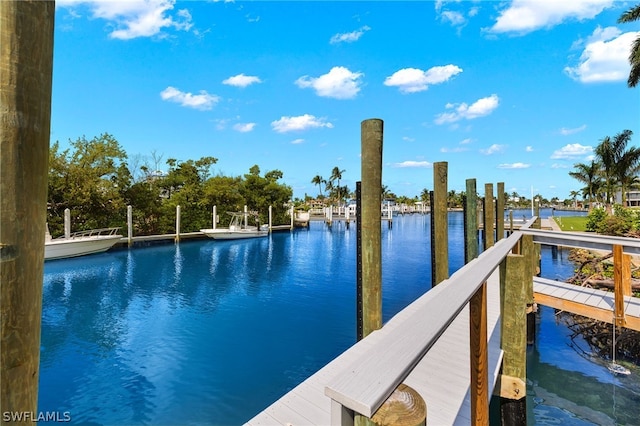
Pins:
<point x="91" y="179"/>
<point x="632" y="15"/>
<point x="261" y="192"/>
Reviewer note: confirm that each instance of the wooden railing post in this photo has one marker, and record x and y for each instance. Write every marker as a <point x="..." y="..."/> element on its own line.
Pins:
<point x="512" y="385"/>
<point x="479" y="362"/>
<point x="621" y="282"/>
<point x="478" y="350"/>
<point x="528" y="251"/>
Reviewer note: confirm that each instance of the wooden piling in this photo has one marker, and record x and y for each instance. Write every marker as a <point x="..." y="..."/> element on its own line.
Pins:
<point x="621" y="282"/>
<point x="371" y="192"/>
<point x="512" y="384"/>
<point x="359" y="330"/>
<point x="129" y="226"/>
<point x="500" y="211"/>
<point x="405" y="407"/>
<point x="177" y="237"/>
<point x="470" y="221"/>
<point x="439" y="224"/>
<point x="488" y="217"/>
<point x="26" y="59"/>
<point x="67" y="223"/>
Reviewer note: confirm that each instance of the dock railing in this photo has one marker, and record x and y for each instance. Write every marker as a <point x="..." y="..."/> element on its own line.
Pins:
<point x="370" y="379"/>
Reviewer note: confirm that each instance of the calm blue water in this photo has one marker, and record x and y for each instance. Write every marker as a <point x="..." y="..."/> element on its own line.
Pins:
<point x="211" y="332"/>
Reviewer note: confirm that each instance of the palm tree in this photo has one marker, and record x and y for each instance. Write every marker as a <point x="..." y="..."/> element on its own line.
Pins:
<point x="336" y="174"/>
<point x="627" y="165"/>
<point x="587" y="174"/>
<point x="318" y="180"/>
<point x="574" y="195"/>
<point x="631" y="15"/>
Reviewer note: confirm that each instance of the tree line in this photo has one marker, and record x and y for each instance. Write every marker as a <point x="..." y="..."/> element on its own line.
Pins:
<point x="94" y="180"/>
<point x="615" y="167"/>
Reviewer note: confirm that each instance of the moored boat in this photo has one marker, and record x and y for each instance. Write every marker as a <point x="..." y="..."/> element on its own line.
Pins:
<point x="80" y="243"/>
<point x="238" y="228"/>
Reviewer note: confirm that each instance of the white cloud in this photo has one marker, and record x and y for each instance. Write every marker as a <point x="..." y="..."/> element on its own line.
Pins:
<point x="412" y="164"/>
<point x="605" y="56"/>
<point x="241" y="80"/>
<point x="466" y="141"/>
<point x="349" y="37"/>
<point x="559" y="166"/>
<point x="493" y="149"/>
<point x="514" y="166"/>
<point x="297" y="141"/>
<point x="571" y="151"/>
<point x="339" y="83"/>
<point x="565" y="132"/>
<point x="408" y="139"/>
<point x="244" y="127"/>
<point x="201" y="101"/>
<point x="301" y="122"/>
<point x="479" y="108"/>
<point x="456" y="149"/>
<point x="136" y="18"/>
<point x="528" y="148"/>
<point x="524" y="16"/>
<point x="454" y="18"/>
<point x="411" y="80"/>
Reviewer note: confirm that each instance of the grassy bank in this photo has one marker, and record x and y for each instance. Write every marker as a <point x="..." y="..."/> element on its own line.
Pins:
<point x="571" y="223"/>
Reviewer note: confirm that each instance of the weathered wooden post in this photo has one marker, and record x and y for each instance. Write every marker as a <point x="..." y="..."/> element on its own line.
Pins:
<point x="26" y="58"/>
<point x="439" y="225"/>
<point x="621" y="282"/>
<point x="67" y="223"/>
<point x="371" y="193"/>
<point x="470" y="221"/>
<point x="214" y="213"/>
<point x="177" y="237"/>
<point x="513" y="304"/>
<point x="500" y="211"/>
<point x="479" y="389"/>
<point x="292" y="213"/>
<point x="488" y="219"/>
<point x="129" y="226"/>
<point x="270" y="217"/>
<point x="528" y="251"/>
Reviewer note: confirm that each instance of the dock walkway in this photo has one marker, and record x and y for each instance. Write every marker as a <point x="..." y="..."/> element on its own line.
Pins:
<point x="442" y="377"/>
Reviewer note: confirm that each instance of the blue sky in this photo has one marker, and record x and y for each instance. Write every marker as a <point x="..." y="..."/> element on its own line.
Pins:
<point x="504" y="91"/>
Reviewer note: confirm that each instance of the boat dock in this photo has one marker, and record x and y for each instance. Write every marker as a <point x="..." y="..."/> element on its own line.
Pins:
<point x="427" y="345"/>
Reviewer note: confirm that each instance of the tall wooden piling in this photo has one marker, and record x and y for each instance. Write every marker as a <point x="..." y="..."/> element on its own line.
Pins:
<point x="371" y="232"/>
<point x="439" y="224"/>
<point x="528" y="251"/>
<point x="26" y="61"/>
<point x="470" y="221"/>
<point x="512" y="385"/>
<point x="500" y="211"/>
<point x="488" y="217"/>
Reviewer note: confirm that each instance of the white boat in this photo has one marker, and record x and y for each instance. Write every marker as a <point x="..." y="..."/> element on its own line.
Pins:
<point x="618" y="369"/>
<point x="80" y="243"/>
<point x="238" y="228"/>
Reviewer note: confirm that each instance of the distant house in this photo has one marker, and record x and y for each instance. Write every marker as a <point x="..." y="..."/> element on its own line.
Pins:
<point x="633" y="198"/>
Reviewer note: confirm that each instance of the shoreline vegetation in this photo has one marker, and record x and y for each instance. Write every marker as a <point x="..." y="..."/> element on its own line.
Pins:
<point x="594" y="269"/>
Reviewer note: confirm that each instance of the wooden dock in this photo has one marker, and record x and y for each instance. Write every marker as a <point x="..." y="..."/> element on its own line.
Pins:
<point x="442" y="377"/>
<point x="585" y="301"/>
<point x="427" y="345"/>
